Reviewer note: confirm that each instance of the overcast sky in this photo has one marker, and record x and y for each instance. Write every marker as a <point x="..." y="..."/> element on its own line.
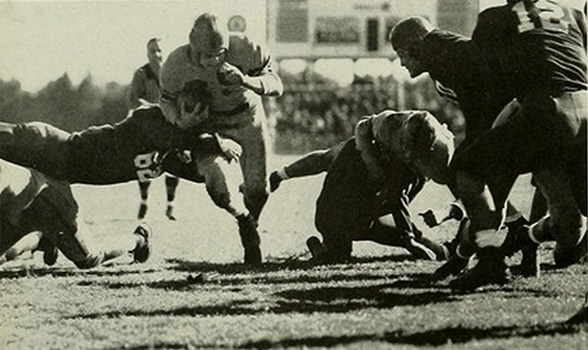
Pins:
<point x="39" y="41"/>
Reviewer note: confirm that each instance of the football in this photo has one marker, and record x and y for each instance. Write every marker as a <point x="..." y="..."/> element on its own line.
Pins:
<point x="194" y="92"/>
<point x="189" y="101"/>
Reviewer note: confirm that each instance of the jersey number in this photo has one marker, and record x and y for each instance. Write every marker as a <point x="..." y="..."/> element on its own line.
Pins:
<point x="148" y="166"/>
<point x="545" y="14"/>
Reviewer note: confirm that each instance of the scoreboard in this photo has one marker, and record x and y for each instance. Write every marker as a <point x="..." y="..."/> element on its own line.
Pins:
<point x="313" y="29"/>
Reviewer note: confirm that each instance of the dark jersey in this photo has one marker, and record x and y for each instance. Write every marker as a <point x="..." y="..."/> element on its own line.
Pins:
<point x="134" y="148"/>
<point x="458" y="64"/>
<point x="534" y="46"/>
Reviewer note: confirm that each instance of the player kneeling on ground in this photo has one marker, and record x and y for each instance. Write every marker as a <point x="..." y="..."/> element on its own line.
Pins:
<point x="31" y="201"/>
<point x="370" y="183"/>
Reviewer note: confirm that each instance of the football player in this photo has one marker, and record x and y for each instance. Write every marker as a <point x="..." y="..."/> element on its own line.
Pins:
<point x="459" y="66"/>
<point x="537" y="50"/>
<point x="234" y="73"/>
<point x="144" y="90"/>
<point x="142" y="146"/>
<point x="33" y="202"/>
<point x="319" y="161"/>
<point x="372" y="179"/>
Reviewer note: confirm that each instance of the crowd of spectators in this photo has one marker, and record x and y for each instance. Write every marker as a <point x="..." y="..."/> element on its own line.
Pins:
<point x="317" y="114"/>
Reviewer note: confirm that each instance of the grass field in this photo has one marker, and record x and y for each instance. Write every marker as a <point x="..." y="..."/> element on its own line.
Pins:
<point x="194" y="294"/>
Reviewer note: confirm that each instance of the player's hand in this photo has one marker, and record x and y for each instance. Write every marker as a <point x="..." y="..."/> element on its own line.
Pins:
<point x="190" y="118"/>
<point x="430" y="218"/>
<point x="230" y="75"/>
<point x="230" y="149"/>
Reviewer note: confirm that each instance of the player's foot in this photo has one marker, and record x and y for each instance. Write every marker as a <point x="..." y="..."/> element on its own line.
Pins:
<point x="142" y="211"/>
<point x="316" y="248"/>
<point x="169" y="212"/>
<point x="50" y="251"/>
<point x="452" y="267"/>
<point x="250" y="240"/>
<point x="567" y="257"/>
<point x="274" y="181"/>
<point x="490" y="269"/>
<point x="518" y="238"/>
<point x="143" y="251"/>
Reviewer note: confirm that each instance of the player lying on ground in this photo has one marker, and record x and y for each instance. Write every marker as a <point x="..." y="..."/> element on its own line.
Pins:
<point x="142" y="146"/>
<point x="384" y="229"/>
<point x="369" y="185"/>
<point x="31" y="201"/>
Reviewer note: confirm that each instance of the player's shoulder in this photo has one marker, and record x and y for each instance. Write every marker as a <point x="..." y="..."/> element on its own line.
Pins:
<point x="178" y="57"/>
<point x="176" y="68"/>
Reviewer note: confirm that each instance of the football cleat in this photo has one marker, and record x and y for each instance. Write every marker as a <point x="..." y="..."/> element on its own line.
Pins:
<point x="143" y="251"/>
<point x="316" y="248"/>
<point x="490" y="269"/>
<point x="517" y="238"/>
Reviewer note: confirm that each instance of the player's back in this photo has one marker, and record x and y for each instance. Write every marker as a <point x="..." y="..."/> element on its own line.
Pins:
<point x="535" y="46"/>
<point x="107" y="153"/>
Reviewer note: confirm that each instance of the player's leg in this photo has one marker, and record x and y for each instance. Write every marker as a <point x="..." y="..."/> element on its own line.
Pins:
<point x="28" y="243"/>
<point x="386" y="231"/>
<point x="565" y="223"/>
<point x="222" y="179"/>
<point x="54" y="211"/>
<point x="530" y="140"/>
<point x="312" y="163"/>
<point x="18" y="187"/>
<point x="171" y="185"/>
<point x="144" y="193"/>
<point x="37" y="145"/>
<point x="399" y="226"/>
<point x="490" y="152"/>
<point x="255" y="141"/>
<point x="346" y="206"/>
<point x="563" y="183"/>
